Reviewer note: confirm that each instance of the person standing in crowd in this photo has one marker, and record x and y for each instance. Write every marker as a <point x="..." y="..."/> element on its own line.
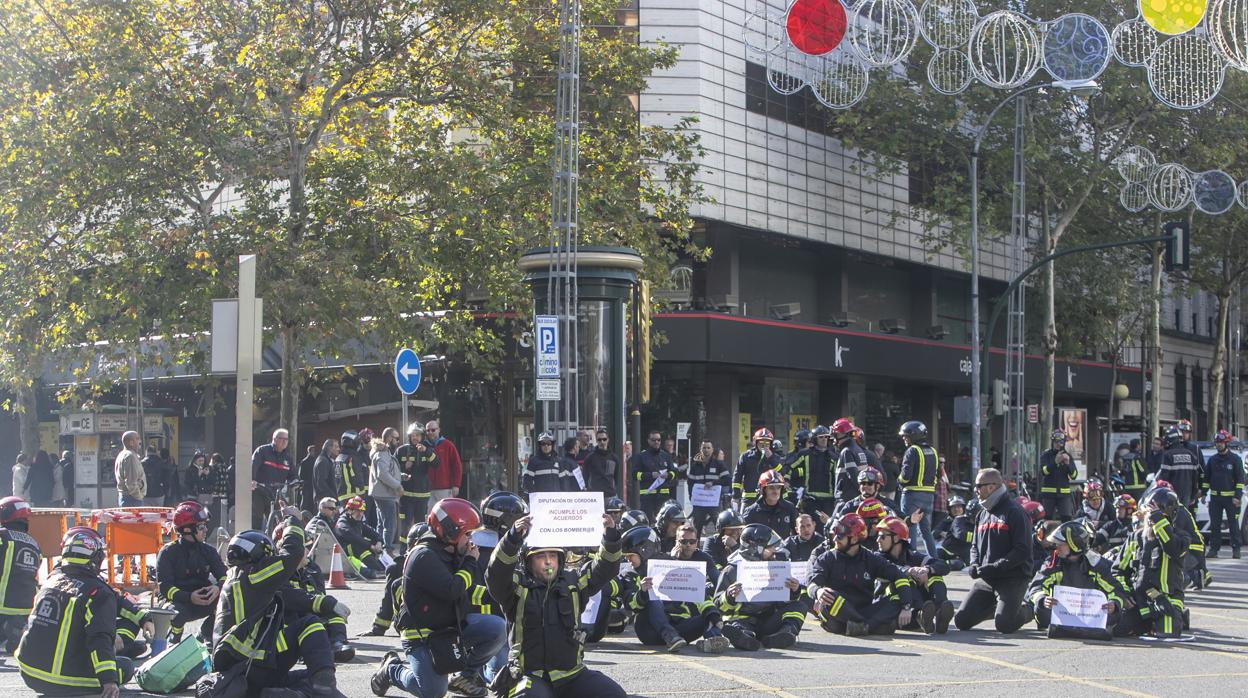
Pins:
<point x="157" y="477"/>
<point x="819" y="464"/>
<point x="307" y="468"/>
<point x="21" y="477"/>
<point x="1001" y="557"/>
<point x="891" y="470"/>
<point x="750" y="465"/>
<point x="201" y="483"/>
<point x="324" y="481"/>
<point x="128" y="471"/>
<point x="41" y="479"/>
<point x="708" y="471"/>
<point x="271" y="467"/>
<point x="63" y="480"/>
<point x="1152" y="460"/>
<point x="1057" y="469"/>
<point x="385" y="485"/>
<point x="415" y="458"/>
<point x="1134" y="471"/>
<point x="447" y="476"/>
<point x="1180" y="468"/>
<point x="173" y="484"/>
<point x="655" y="474"/>
<point x="570" y="460"/>
<point x="601" y="467"/>
<point x="19" y="570"/>
<point x="850" y="459"/>
<point x="544" y="472"/>
<point x="351" y="481"/>
<point x="920" y="468"/>
<point x="1224" y="476"/>
<point x="225" y="487"/>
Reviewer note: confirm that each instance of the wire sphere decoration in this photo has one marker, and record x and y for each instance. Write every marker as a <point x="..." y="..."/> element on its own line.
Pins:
<point x="1186" y="72"/>
<point x="1214" y="192"/>
<point x="1170" y="188"/>
<point x="1133" y="197"/>
<point x="839" y="80"/>
<point x="883" y="32"/>
<point x="947" y="24"/>
<point x="816" y="27"/>
<point x="1076" y="48"/>
<point x="1005" y="50"/>
<point x="1173" y="17"/>
<point x="1136" y="164"/>
<point x="787" y="70"/>
<point x="763" y="32"/>
<point x="1241" y="194"/>
<point x="1227" y="25"/>
<point x="949" y="71"/>
<point x="1134" y="41"/>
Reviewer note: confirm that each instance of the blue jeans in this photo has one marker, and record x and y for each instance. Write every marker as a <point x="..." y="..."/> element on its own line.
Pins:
<point x="387" y="520"/>
<point x="912" y="501"/>
<point x="486" y="640"/>
<point x="128" y="501"/>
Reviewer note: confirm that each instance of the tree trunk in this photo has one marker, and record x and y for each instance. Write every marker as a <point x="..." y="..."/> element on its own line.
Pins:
<point x="28" y="419"/>
<point x="1049" y="338"/>
<point x="1154" y="331"/>
<point x="1217" y="374"/>
<point x="290" y="387"/>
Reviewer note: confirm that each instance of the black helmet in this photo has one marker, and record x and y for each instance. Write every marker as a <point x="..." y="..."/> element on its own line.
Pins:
<point x="727" y="519"/>
<point x="1076" y="534"/>
<point x="777" y="445"/>
<point x="820" y="430"/>
<point x="916" y="430"/>
<point x="636" y="517"/>
<point x="956" y="501"/>
<point x="1161" y="499"/>
<point x="349" y="441"/>
<point x="756" y="538"/>
<point x="801" y="438"/>
<point x="248" y="548"/>
<point x="1173" y="436"/>
<point x="500" y="510"/>
<point x="642" y="541"/>
<point x="416" y="532"/>
<point x="616" y="504"/>
<point x="546" y="437"/>
<point x="670" y="513"/>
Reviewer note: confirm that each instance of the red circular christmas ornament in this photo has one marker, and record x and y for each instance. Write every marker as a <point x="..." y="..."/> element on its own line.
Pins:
<point x="815" y="26"/>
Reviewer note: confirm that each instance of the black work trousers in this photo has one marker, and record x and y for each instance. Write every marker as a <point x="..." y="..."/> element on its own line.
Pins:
<point x="1000" y="599"/>
<point x="586" y="683"/>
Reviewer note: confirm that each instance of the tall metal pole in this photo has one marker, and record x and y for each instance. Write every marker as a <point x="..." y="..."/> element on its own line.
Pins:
<point x="243" y="398"/>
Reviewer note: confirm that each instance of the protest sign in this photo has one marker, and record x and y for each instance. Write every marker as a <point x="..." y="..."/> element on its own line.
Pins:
<point x="677" y="580"/>
<point x="1079" y="608"/>
<point x="705" y="495"/>
<point x="763" y="581"/>
<point x="566" y="519"/>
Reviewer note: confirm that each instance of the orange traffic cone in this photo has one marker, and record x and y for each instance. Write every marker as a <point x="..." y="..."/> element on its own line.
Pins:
<point x="337" y="580"/>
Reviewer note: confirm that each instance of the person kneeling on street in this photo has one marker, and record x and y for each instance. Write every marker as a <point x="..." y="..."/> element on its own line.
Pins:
<point x="673" y="624"/>
<point x="441" y="635"/>
<point x="252" y="628"/>
<point x="751" y="625"/>
<point x="68" y="647"/>
<point x="843" y="580"/>
<point x="934" y="610"/>
<point x="189" y="572"/>
<point x="541" y="598"/>
<point x="1076" y="565"/>
<point x="1001" y="554"/>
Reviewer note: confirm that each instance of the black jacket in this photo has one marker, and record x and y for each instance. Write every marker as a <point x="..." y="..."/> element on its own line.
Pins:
<point x="183" y="567"/>
<point x="349" y="476"/>
<point x="269" y="467"/>
<point x="710" y="472"/>
<point x="957" y="544"/>
<point x="201" y="486"/>
<point x="820" y="467"/>
<point x="76" y="605"/>
<point x="800" y="550"/>
<point x="544" y="619"/>
<point x="1054" y="477"/>
<point x="1159" y="562"/>
<point x="1182" y="470"/>
<point x="853" y="577"/>
<point x="1134" y="471"/>
<point x="739" y="609"/>
<point x="436" y="584"/>
<point x="355" y="536"/>
<point x="1001" y="548"/>
<point x="850" y="459"/>
<point x="713" y="545"/>
<point x="324" y="481"/>
<point x="750" y="465"/>
<point x="1224" y="475"/>
<point x="19" y="570"/>
<point x="417" y="464"/>
<point x="649" y="466"/>
<point x="248" y="598"/>
<point x="780" y="517"/>
<point x="1088" y="571"/>
<point x="920" y="468"/>
<point x="600" y="469"/>
<point x="157" y="475"/>
<point x="546" y="474"/>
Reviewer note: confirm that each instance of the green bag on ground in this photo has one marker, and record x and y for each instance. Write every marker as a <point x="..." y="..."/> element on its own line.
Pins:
<point x="175" y="668"/>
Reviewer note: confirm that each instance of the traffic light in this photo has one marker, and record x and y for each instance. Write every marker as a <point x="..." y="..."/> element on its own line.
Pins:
<point x="1000" y="397"/>
<point x="1178" y="247"/>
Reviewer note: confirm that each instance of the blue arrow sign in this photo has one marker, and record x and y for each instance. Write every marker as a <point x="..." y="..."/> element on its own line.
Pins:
<point x="407" y="371"/>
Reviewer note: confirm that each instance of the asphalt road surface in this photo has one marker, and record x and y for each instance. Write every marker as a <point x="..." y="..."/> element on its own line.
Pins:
<point x="975" y="663"/>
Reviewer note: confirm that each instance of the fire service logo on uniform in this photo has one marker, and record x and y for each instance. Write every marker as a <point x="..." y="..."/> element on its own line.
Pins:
<point x="840" y="351"/>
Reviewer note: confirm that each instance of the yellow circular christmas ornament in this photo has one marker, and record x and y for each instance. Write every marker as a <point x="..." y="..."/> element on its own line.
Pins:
<point x="1173" y="16"/>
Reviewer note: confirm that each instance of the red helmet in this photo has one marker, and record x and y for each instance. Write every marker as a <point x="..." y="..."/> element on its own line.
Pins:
<point x="1093" y="486"/>
<point x="842" y="427"/>
<point x="872" y="509"/>
<point x="189" y="515"/>
<point x="365" y="437"/>
<point x="1163" y="484"/>
<point x="869" y="474"/>
<point x="1124" y="500"/>
<point x="1035" y="510"/>
<point x="452" y="519"/>
<point x="13" y="509"/>
<point x="1184" y="425"/>
<point x="895" y="526"/>
<point x="850" y="526"/>
<point x="1222" y="437"/>
<point x="763" y="434"/>
<point x="770" y="477"/>
<point x="356" y="503"/>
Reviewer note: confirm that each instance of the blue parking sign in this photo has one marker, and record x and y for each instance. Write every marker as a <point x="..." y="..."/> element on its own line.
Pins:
<point x="546" y="349"/>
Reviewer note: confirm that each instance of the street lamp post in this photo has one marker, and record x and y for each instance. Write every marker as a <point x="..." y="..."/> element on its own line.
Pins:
<point x="1079" y="88"/>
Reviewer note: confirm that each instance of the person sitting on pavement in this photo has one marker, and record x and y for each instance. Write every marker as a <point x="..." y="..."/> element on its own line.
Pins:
<point x="934" y="610"/>
<point x="189" y="572"/>
<point x="751" y="625"/>
<point x="19" y="575"/>
<point x="361" y="542"/>
<point x="843" y="580"/>
<point x="632" y="518"/>
<point x="1001" y="554"/>
<point x="955" y="548"/>
<point x="771" y="508"/>
<point x="1194" y="564"/>
<point x="669" y="520"/>
<point x="1075" y="564"/>
<point x="1115" y="532"/>
<point x="1095" y="508"/>
<point x="306" y="596"/>
<point x="1153" y="565"/>
<point x="673" y="624"/>
<point x="802" y="545"/>
<point x="616" y="605"/>
<point x="539" y="596"/>
<point x="133" y="624"/>
<point x="728" y="527"/>
<point x="686" y="548"/>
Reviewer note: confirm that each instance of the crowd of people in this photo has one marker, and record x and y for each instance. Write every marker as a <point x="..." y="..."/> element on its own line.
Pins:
<point x="477" y="608"/>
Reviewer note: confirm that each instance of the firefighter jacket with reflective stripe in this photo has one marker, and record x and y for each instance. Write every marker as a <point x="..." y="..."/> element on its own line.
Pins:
<point x="184" y="566"/>
<point x="1224" y="475"/>
<point x="547" y="474"/>
<point x="356" y="537"/>
<point x="347" y="478"/>
<point x="306" y="594"/>
<point x="852" y="459"/>
<point x="546" y="640"/>
<point x="752" y="464"/>
<point x="909" y="557"/>
<point x="416" y="464"/>
<point x="853" y="577"/>
<point x="1088" y="571"/>
<point x="733" y="609"/>
<point x="710" y="472"/>
<point x="19" y="570"/>
<point x="435" y="584"/>
<point x="1182" y="470"/>
<point x="248" y="599"/>
<point x="649" y="467"/>
<point x="68" y="639"/>
<point x="920" y="468"/>
<point x="1159" y="562"/>
<point x="820" y="471"/>
<point x="1054" y="477"/>
<point x="1134" y="473"/>
<point x="779" y="517"/>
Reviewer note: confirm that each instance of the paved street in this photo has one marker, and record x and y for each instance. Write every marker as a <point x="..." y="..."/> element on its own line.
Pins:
<point x="973" y="663"/>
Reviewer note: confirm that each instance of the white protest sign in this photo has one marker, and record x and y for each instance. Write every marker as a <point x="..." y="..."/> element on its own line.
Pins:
<point x="590" y="614"/>
<point x="1079" y="608"/>
<point x="682" y="430"/>
<point x="566" y="519"/>
<point x="764" y="581"/>
<point x="677" y="580"/>
<point x="800" y="570"/>
<point x="705" y="495"/>
<point x="580" y="476"/>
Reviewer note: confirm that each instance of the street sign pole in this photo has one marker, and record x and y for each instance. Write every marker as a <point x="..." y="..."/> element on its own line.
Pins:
<point x="403" y="424"/>
<point x="246" y="367"/>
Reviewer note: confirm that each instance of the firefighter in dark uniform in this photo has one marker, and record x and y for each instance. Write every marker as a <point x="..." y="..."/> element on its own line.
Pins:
<point x="416" y="458"/>
<point x="673" y="624"/>
<point x="708" y="471"/>
<point x="306" y="596"/>
<point x="131" y="621"/>
<point x="359" y="540"/>
<point x="955" y="548"/>
<point x="1116" y="532"/>
<point x="68" y="644"/>
<point x="843" y="579"/>
<point x="750" y="625"/>
<point x="794" y="466"/>
<point x="351" y="482"/>
<point x="819" y="464"/>
<point x="868" y="504"/>
<point x="1185" y="430"/>
<point x="920" y="468"/>
<point x="771" y="508"/>
<point x="926" y="579"/>
<point x="544" y="471"/>
<point x="655" y="474"/>
<point x="20" y="557"/>
<point x="251" y="625"/>
<point x="802" y="545"/>
<point x="542" y="600"/>
<point x="667" y="523"/>
<point x="726" y="538"/>
<point x="1076" y="565"/>
<point x="1134" y="472"/>
<point x="850" y="459"/>
<point x="189" y="572"/>
<point x="1156" y="569"/>
<point x="1180" y="467"/>
<point x="1224" y="476"/>
<point x="751" y="465"/>
<point x="392" y="597"/>
<point x="1055" y="476"/>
